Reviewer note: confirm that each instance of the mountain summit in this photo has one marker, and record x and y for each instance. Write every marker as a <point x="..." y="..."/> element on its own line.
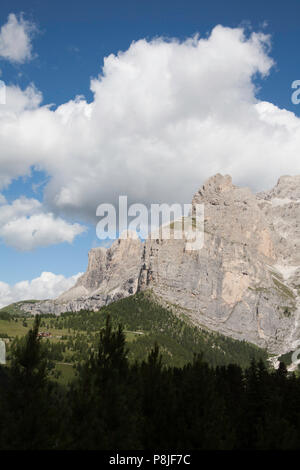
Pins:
<point x="244" y="282"/>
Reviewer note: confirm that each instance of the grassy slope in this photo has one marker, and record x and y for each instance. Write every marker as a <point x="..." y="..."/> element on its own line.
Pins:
<point x="14" y="309"/>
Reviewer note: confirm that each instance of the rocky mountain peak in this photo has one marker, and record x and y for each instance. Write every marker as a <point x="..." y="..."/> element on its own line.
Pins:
<point x="218" y="183"/>
<point x="287" y="187"/>
<point x="214" y="186"/>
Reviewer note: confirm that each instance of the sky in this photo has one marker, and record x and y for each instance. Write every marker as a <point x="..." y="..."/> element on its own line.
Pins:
<point x="137" y="98"/>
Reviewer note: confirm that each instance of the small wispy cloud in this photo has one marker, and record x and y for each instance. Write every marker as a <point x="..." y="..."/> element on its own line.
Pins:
<point x="74" y="49"/>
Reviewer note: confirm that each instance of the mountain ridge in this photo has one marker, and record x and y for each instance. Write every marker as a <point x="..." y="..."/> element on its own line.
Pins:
<point x="244" y="282"/>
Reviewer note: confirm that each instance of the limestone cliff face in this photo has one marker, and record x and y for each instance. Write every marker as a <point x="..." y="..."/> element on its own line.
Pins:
<point x="244" y="282"/>
<point x="111" y="275"/>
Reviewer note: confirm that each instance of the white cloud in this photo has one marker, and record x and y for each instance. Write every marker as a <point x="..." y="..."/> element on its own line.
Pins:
<point x="47" y="286"/>
<point x="24" y="225"/>
<point x="15" y="39"/>
<point x="165" y="116"/>
<point x="19" y="101"/>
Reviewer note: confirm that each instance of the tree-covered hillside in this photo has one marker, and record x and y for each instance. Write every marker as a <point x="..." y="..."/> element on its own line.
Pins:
<point x="73" y="336"/>
<point x="146" y="323"/>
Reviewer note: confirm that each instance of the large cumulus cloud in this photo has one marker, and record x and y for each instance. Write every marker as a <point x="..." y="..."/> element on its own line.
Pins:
<point x="165" y="115"/>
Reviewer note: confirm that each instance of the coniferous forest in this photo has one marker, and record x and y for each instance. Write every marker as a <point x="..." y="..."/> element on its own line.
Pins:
<point x="116" y="404"/>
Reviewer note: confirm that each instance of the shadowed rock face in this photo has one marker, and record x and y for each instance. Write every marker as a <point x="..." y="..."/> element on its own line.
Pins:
<point x="244" y="282"/>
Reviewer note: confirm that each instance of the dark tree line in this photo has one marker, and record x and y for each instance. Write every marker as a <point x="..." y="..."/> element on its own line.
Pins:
<point x="115" y="404"/>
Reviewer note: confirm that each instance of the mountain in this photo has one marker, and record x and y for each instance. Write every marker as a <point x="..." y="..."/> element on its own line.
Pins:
<point x="243" y="283"/>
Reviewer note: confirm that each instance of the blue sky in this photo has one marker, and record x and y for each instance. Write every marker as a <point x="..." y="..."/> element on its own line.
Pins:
<point x="74" y="40"/>
<point x="68" y="43"/>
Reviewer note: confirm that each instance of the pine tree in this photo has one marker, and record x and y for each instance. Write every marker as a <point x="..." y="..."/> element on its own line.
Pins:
<point x="31" y="422"/>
